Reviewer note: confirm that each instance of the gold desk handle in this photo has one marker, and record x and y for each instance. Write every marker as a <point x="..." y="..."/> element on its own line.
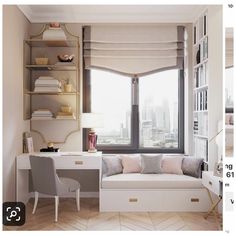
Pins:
<point x="79" y="162"/>
<point x="133" y="199"/>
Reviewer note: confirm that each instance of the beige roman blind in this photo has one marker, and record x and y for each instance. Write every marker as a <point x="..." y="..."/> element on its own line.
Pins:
<point x="229" y="52"/>
<point x="134" y="50"/>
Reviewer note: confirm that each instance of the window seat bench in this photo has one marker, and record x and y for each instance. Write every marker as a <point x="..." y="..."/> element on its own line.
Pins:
<point x="135" y="192"/>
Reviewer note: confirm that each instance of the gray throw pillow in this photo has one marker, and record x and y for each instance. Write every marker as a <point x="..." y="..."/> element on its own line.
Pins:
<point x="112" y="165"/>
<point x="151" y="164"/>
<point x="192" y="166"/>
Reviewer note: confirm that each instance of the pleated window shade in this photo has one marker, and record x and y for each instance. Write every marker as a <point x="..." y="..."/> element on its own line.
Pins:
<point x="134" y="50"/>
<point x="229" y="52"/>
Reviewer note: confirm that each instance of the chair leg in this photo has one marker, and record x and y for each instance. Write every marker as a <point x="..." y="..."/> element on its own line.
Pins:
<point x="36" y="197"/>
<point x="56" y="208"/>
<point x="78" y="199"/>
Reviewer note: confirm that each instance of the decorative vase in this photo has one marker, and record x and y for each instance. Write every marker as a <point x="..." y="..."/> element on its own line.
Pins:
<point x="68" y="88"/>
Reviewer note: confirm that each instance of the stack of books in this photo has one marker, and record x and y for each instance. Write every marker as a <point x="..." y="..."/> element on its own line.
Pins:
<point x="42" y="114"/>
<point x="47" y="84"/>
<point x="65" y="116"/>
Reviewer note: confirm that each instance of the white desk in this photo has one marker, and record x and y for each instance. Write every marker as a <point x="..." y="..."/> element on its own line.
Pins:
<point x="213" y="184"/>
<point x="63" y="161"/>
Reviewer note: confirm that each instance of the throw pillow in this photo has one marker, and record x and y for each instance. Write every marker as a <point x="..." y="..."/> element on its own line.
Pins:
<point x="131" y="163"/>
<point x="151" y="164"/>
<point x="192" y="166"/>
<point x="172" y="165"/>
<point x="113" y="165"/>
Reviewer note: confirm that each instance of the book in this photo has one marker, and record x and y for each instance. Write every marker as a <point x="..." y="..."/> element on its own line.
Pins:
<point x="29" y="145"/>
<point x="47" y="82"/>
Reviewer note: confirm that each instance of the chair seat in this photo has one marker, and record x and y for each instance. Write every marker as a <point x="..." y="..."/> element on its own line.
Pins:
<point x="68" y="185"/>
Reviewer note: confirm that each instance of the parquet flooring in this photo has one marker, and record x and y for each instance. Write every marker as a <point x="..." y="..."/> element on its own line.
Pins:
<point x="89" y="218"/>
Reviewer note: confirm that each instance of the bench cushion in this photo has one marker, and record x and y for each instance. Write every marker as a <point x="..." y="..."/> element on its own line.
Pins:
<point x="151" y="181"/>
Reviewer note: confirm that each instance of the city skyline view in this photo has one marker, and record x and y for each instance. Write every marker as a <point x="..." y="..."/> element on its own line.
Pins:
<point x="158" y="108"/>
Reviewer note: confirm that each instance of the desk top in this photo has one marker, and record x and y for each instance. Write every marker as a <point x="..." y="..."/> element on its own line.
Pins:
<point x="64" y="160"/>
<point x="58" y="154"/>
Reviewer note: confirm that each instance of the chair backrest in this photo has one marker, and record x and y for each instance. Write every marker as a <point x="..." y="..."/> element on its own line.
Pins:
<point x="44" y="175"/>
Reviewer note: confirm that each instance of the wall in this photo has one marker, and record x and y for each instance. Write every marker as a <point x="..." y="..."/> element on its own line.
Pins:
<point x="15" y="30"/>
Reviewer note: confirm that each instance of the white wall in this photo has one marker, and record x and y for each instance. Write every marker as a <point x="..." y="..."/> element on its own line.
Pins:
<point x="15" y="30"/>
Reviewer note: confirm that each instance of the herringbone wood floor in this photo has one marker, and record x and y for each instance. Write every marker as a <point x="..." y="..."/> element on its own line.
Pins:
<point x="89" y="218"/>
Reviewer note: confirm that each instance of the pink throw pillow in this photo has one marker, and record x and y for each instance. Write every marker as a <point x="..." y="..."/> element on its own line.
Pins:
<point x="131" y="163"/>
<point x="172" y="165"/>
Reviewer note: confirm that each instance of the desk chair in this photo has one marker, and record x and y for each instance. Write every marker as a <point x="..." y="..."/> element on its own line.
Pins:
<point x="46" y="181"/>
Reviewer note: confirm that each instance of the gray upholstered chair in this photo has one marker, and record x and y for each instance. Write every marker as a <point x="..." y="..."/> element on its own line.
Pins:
<point x="46" y="181"/>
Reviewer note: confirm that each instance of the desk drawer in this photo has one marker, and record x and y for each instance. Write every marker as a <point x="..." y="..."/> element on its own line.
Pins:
<point x="77" y="162"/>
<point x="211" y="183"/>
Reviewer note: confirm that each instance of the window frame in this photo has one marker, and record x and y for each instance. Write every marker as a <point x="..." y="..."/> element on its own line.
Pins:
<point x="134" y="146"/>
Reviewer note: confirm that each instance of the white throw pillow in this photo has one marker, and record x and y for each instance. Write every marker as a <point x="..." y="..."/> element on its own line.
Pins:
<point x="172" y="165"/>
<point x="131" y="163"/>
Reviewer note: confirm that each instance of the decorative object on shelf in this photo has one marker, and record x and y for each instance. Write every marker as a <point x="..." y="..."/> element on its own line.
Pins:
<point x="54" y="32"/>
<point x="65" y="113"/>
<point x="65" y="58"/>
<point x="28" y="146"/>
<point x="68" y="86"/>
<point x="54" y="25"/>
<point x="41" y="60"/>
<point x="47" y="84"/>
<point x="50" y="148"/>
<point x="91" y="121"/>
<point x="66" y="108"/>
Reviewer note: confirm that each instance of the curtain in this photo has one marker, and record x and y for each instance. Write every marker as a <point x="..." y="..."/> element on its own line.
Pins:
<point x="134" y="50"/>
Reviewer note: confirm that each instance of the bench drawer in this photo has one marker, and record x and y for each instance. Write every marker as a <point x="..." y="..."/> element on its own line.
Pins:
<point x="154" y="200"/>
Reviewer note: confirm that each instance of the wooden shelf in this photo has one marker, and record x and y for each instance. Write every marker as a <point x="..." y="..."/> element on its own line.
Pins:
<point x="52" y="67"/>
<point x="52" y="43"/>
<point x="52" y="93"/>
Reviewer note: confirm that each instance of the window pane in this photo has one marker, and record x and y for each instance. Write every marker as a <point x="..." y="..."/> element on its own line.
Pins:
<point x="158" y="94"/>
<point x="111" y="95"/>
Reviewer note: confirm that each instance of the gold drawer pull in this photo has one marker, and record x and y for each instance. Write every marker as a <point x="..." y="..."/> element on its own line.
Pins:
<point x="133" y="199"/>
<point x="79" y="162"/>
<point x="210" y="182"/>
<point x="194" y="199"/>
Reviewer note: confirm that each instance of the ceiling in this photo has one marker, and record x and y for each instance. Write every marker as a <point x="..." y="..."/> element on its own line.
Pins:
<point x="111" y="13"/>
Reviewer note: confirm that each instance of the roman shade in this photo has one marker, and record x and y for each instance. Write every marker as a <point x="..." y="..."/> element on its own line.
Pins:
<point x="229" y="52"/>
<point x="134" y="50"/>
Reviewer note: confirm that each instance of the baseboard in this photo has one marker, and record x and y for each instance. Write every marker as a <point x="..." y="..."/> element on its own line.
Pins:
<point x="69" y="195"/>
